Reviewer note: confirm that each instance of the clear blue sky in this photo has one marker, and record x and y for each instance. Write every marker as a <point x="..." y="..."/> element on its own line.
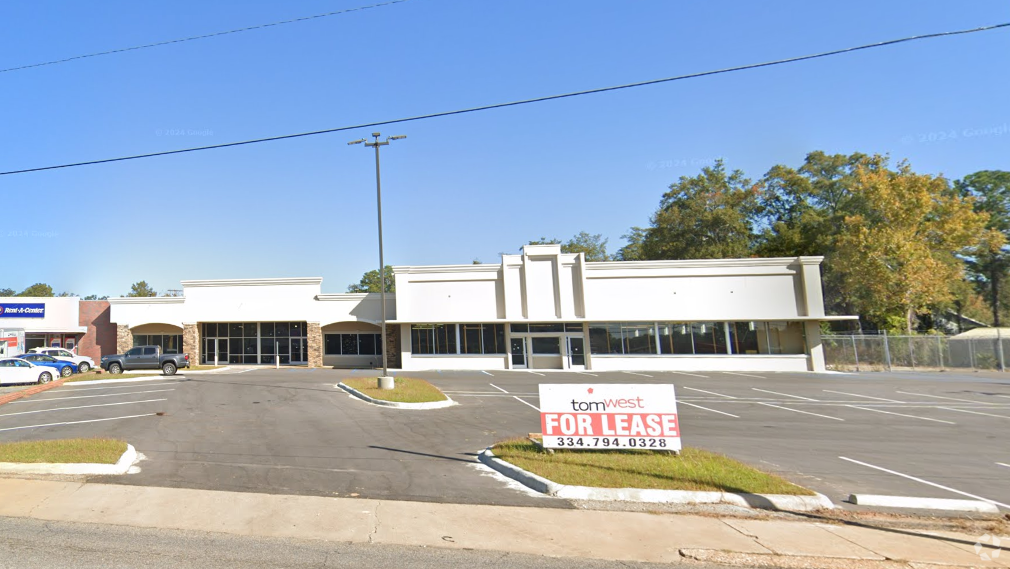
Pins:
<point x="459" y="188"/>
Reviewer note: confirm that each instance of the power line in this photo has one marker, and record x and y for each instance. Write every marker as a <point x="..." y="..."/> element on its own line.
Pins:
<point x="215" y="34"/>
<point x="511" y="104"/>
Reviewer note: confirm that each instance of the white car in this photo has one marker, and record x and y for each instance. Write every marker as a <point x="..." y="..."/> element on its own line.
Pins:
<point x="17" y="370"/>
<point x="84" y="363"/>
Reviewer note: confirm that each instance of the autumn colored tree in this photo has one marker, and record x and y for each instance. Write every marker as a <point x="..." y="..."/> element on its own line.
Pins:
<point x="895" y="254"/>
<point x="803" y="210"/>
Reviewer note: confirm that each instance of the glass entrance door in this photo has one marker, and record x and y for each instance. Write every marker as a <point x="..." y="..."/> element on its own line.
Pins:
<point x="576" y="352"/>
<point x="299" y="351"/>
<point x="518" y="351"/>
<point x="215" y="351"/>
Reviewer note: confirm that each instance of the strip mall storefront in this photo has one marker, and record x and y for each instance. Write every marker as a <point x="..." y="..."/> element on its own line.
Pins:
<point x="47" y="321"/>
<point x="541" y="309"/>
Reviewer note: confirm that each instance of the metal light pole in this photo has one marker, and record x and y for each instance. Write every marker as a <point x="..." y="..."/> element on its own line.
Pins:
<point x="385" y="382"/>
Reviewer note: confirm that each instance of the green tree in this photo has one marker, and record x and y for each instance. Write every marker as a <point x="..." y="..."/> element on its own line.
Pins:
<point x="6" y="292"/>
<point x="141" y="289"/>
<point x="95" y="297"/>
<point x="895" y="254"/>
<point x="803" y="212"/>
<point x="633" y="250"/>
<point x="37" y="289"/>
<point x="370" y="282"/>
<point x="545" y="241"/>
<point x="708" y="216"/>
<point x="593" y="246"/>
<point x="989" y="263"/>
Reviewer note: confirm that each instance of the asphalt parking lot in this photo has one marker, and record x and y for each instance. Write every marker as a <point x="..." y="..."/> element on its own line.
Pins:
<point x="290" y="431"/>
<point x="931" y="435"/>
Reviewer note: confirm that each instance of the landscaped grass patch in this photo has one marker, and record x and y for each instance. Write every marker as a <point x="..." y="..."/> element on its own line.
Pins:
<point x="93" y="375"/>
<point x="93" y="451"/>
<point x="405" y="390"/>
<point x="694" y="469"/>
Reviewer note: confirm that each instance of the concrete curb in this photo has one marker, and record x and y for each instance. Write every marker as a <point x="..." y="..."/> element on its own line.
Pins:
<point x="780" y="561"/>
<point x="28" y="392"/>
<point x="947" y="504"/>
<point x="396" y="404"/>
<point x="763" y="501"/>
<point x="122" y="466"/>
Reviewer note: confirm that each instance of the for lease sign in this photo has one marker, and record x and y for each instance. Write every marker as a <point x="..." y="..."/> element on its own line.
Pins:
<point x="597" y="416"/>
<point x="23" y="310"/>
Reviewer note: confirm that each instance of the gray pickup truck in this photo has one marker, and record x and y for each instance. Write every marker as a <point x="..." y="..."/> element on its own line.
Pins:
<point x="145" y="357"/>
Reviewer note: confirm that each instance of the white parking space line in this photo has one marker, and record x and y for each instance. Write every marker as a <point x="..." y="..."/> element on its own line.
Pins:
<point x="633" y="373"/>
<point x="77" y="422"/>
<point x="535" y="373"/>
<point x="804" y="412"/>
<point x="901" y="414"/>
<point x="710" y="392"/>
<point x="526" y="402"/>
<point x="942" y="397"/>
<point x="76" y="389"/>
<point x="974" y="412"/>
<point x="866" y="396"/>
<point x="80" y="407"/>
<point x="90" y="396"/>
<point x="1003" y="464"/>
<point x="586" y="373"/>
<point x="707" y="409"/>
<point x="487" y="372"/>
<point x="933" y="484"/>
<point x="691" y="374"/>
<point x="498" y="388"/>
<point x="1007" y="396"/>
<point x="783" y="394"/>
<point x="744" y="375"/>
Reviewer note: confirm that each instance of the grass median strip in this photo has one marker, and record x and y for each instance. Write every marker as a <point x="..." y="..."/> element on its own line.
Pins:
<point x="405" y="390"/>
<point x="64" y="451"/>
<point x="694" y="469"/>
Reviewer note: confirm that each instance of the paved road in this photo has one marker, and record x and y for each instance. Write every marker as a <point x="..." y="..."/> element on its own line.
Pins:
<point x="35" y="544"/>
<point x="290" y="431"/>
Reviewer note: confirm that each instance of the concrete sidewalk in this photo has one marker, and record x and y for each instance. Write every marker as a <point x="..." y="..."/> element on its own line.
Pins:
<point x="626" y="536"/>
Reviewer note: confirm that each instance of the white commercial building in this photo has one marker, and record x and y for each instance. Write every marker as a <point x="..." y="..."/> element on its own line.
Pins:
<point x="541" y="309"/>
<point x="45" y="321"/>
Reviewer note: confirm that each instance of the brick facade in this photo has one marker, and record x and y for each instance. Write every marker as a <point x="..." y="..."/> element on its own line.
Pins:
<point x="191" y="343"/>
<point x="315" y="340"/>
<point x="101" y="338"/>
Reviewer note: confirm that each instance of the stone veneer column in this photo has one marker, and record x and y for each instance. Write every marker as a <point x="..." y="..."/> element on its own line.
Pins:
<point x="315" y="339"/>
<point x="124" y="339"/>
<point x="393" y="346"/>
<point x="191" y="343"/>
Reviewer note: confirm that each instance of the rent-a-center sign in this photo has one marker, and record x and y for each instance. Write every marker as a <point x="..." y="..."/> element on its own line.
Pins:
<point x="23" y="310"/>
<point x="609" y="416"/>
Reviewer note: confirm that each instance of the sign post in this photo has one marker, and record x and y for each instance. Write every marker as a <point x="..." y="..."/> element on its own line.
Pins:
<point x="605" y="416"/>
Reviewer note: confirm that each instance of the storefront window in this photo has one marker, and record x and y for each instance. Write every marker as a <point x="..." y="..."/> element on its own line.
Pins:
<point x="698" y="338"/>
<point x="550" y="345"/>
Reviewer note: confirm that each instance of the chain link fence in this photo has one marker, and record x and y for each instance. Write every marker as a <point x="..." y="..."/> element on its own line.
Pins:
<point x="882" y="352"/>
